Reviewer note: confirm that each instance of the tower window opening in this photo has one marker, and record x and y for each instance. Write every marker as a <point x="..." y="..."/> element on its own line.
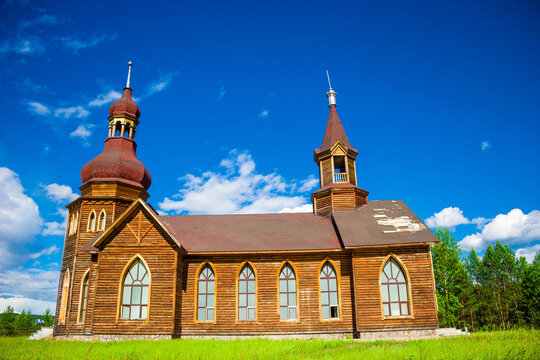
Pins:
<point x="340" y="170"/>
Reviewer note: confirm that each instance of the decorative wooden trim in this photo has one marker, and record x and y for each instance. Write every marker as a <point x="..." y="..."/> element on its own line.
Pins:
<point x="64" y="298"/>
<point x="354" y="301"/>
<point x="211" y="253"/>
<point x="238" y="271"/>
<point x="175" y="290"/>
<point x="332" y="171"/>
<point x="121" y="288"/>
<point x="196" y="302"/>
<point x="409" y="286"/>
<point x="338" y="287"/>
<point x="86" y="273"/>
<point x="283" y="263"/>
<point x="433" y="282"/>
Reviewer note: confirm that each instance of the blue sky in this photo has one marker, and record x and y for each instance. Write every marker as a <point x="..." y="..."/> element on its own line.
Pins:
<point x="441" y="99"/>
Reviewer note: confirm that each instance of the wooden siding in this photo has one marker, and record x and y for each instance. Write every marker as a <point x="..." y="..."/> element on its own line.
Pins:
<point x="323" y="205"/>
<point x="343" y="200"/>
<point x="160" y="256"/>
<point x="360" y="200"/>
<point x="267" y="268"/>
<point x="327" y="172"/>
<point x="351" y="170"/>
<point x="367" y="265"/>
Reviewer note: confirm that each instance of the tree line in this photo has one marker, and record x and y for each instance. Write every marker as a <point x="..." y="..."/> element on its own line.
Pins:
<point x="22" y="324"/>
<point x="496" y="292"/>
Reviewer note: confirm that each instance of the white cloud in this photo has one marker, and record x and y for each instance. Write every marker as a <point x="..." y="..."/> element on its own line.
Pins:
<point x="38" y="108"/>
<point x="43" y="19"/>
<point x="264" y="114"/>
<point x="485" y="145"/>
<point x="29" y="283"/>
<point x="308" y="184"/>
<point x="236" y="189"/>
<point x="53" y="249"/>
<point x="298" y="209"/>
<point x="161" y="84"/>
<point x="221" y="92"/>
<point x="107" y="98"/>
<point x="514" y="228"/>
<point x="20" y="303"/>
<point x="449" y="217"/>
<point x="78" y="111"/>
<point x="82" y="132"/>
<point x="53" y="228"/>
<point x="59" y="193"/>
<point x="28" y="45"/>
<point x="28" y="84"/>
<point x="528" y="252"/>
<point x="75" y="43"/>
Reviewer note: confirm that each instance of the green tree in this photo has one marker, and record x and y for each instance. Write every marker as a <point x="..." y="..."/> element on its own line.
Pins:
<point x="7" y="318"/>
<point x="24" y="324"/>
<point x="48" y="319"/>
<point x="531" y="292"/>
<point x="450" y="279"/>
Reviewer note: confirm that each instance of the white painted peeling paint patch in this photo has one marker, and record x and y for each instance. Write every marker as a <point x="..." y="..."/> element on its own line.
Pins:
<point x="400" y="224"/>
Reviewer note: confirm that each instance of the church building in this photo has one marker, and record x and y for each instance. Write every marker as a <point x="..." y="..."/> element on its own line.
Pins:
<point x="351" y="268"/>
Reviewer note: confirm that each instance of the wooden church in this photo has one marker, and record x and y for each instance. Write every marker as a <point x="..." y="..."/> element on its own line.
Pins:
<point x="353" y="267"/>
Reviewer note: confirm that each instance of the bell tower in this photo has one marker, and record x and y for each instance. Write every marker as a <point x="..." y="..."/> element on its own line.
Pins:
<point x="336" y="159"/>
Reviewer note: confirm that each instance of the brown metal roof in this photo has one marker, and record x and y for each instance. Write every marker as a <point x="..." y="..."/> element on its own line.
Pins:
<point x="383" y="222"/>
<point x="260" y="232"/>
<point x="89" y="245"/>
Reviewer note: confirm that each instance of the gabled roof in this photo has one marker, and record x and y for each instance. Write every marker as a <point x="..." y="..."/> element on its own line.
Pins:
<point x="334" y="132"/>
<point x="383" y="222"/>
<point x="257" y="232"/>
<point x="135" y="205"/>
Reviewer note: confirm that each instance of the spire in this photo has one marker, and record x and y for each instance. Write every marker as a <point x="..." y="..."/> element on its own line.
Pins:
<point x="130" y="64"/>
<point x="334" y="129"/>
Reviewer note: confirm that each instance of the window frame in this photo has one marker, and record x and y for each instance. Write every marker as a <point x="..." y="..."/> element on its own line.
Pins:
<point x="121" y="290"/>
<point x="64" y="298"/>
<point x="238" y="272"/>
<point x="278" y="278"/>
<point x="196" y="300"/>
<point x="89" y="226"/>
<point x="85" y="278"/>
<point x="338" y="290"/>
<point x="405" y="273"/>
<point x="98" y="223"/>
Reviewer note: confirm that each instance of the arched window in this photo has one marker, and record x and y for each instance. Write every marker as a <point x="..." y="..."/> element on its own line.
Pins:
<point x="84" y="297"/>
<point x="246" y="294"/>
<point x="329" y="292"/>
<point x="91" y="222"/>
<point x="287" y="293"/>
<point x="206" y="293"/>
<point x="394" y="290"/>
<point x="73" y="223"/>
<point x="135" y="292"/>
<point x="64" y="298"/>
<point x="101" y="221"/>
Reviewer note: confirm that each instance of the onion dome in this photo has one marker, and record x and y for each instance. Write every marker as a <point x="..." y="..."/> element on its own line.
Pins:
<point x="125" y="106"/>
<point x="117" y="162"/>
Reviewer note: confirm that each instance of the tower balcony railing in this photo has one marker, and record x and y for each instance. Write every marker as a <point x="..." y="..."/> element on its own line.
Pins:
<point x="340" y="178"/>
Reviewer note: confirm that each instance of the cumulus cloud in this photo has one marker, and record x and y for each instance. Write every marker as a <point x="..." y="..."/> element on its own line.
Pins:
<point x="514" y="228"/>
<point x="298" y="209"/>
<point x="236" y="189"/>
<point x="449" y="217"/>
<point x="528" y="253"/>
<point x="77" y="111"/>
<point x="103" y="99"/>
<point x="264" y="114"/>
<point x="20" y="303"/>
<point x="29" y="283"/>
<point x="38" y="108"/>
<point x="82" y="132"/>
<point x="308" y="184"/>
<point x="59" y="193"/>
<point x="485" y="145"/>
<point x="53" y="249"/>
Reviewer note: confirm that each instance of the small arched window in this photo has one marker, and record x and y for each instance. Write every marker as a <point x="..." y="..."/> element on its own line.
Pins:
<point x="206" y="292"/>
<point x="246" y="294"/>
<point x="84" y="297"/>
<point x="91" y="221"/>
<point x="394" y="292"/>
<point x="135" y="292"/>
<point x="329" y="292"/>
<point x="101" y="220"/>
<point x="287" y="293"/>
<point x="73" y="223"/>
<point x="64" y="298"/>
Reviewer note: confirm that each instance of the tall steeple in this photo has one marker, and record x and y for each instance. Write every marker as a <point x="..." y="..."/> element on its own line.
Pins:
<point x="117" y="170"/>
<point x="336" y="159"/>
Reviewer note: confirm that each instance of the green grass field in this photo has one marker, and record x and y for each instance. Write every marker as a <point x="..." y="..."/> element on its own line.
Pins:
<point x="496" y="345"/>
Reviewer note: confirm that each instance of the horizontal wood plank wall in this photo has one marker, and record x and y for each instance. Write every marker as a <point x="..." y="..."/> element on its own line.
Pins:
<point x="324" y="206"/>
<point x="268" y="321"/>
<point x="360" y="200"/>
<point x="351" y="170"/>
<point x="343" y="200"/>
<point x="368" y="297"/>
<point x="159" y="254"/>
<point x="327" y="171"/>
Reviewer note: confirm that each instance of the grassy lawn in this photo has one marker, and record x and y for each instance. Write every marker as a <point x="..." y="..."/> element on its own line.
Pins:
<point x="497" y="345"/>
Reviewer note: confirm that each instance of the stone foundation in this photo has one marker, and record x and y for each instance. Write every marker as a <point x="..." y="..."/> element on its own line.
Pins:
<point x="271" y="336"/>
<point x="105" y="338"/>
<point x="397" y="335"/>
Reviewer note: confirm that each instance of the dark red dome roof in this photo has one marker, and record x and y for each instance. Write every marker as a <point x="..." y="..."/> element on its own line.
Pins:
<point x="125" y="105"/>
<point x="117" y="162"/>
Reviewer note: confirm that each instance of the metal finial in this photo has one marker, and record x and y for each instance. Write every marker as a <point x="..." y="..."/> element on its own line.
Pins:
<point x="328" y="77"/>
<point x="130" y="64"/>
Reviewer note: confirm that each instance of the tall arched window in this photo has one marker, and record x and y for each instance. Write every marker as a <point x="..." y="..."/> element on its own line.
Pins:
<point x="206" y="292"/>
<point x="73" y="223"/>
<point x="64" y="298"/>
<point x="135" y="292"/>
<point x="101" y="221"/>
<point x="394" y="293"/>
<point x="84" y="297"/>
<point x="246" y="294"/>
<point x="329" y="292"/>
<point x="91" y="221"/>
<point x="287" y="293"/>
